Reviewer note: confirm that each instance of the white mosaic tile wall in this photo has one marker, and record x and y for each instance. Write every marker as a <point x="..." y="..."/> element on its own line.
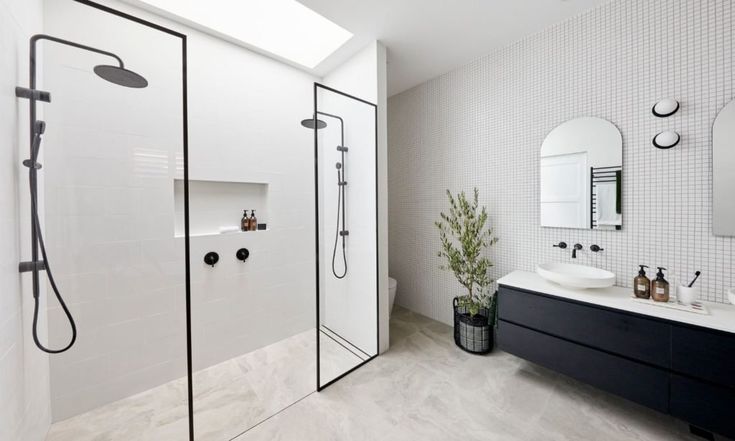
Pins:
<point x="483" y="124"/>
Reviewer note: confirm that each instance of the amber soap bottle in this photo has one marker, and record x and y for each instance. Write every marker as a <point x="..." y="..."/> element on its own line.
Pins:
<point x="253" y="221"/>
<point x="660" y="287"/>
<point x="245" y="222"/>
<point x="642" y="284"/>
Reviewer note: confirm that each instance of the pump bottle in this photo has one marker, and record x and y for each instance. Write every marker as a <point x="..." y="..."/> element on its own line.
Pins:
<point x="660" y="287"/>
<point x="642" y="284"/>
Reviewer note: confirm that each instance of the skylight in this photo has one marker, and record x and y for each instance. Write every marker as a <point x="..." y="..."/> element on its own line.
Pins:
<point x="284" y="28"/>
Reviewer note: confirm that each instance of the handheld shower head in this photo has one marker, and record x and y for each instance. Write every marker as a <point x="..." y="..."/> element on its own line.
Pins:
<point x="39" y="127"/>
<point x="121" y="76"/>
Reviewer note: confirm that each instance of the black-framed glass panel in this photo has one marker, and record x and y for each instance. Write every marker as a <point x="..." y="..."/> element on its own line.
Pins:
<point x="113" y="147"/>
<point x="251" y="202"/>
<point x="345" y="139"/>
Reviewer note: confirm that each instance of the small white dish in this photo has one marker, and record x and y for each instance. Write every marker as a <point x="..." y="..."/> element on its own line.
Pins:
<point x="686" y="295"/>
<point x="731" y="295"/>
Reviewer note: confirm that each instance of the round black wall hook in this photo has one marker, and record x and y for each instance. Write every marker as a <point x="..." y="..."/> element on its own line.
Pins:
<point x="211" y="258"/>
<point x="665" y="108"/>
<point x="666" y="140"/>
<point x="242" y="254"/>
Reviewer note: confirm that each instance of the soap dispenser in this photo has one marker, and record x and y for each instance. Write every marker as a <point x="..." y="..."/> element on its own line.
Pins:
<point x="660" y="287"/>
<point x="245" y="222"/>
<point x="253" y="226"/>
<point x="642" y="284"/>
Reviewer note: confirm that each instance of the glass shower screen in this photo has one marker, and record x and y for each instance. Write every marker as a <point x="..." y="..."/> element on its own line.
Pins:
<point x="114" y="144"/>
<point x="346" y="204"/>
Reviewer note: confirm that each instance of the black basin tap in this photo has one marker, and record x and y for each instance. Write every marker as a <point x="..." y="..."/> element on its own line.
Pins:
<point x="577" y="247"/>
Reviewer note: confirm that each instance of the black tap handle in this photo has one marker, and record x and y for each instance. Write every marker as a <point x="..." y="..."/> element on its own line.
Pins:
<point x="596" y="248"/>
<point x="211" y="258"/>
<point x="242" y="254"/>
<point x="561" y="245"/>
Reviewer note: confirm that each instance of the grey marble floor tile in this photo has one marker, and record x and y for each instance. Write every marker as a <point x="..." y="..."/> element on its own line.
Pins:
<point x="425" y="388"/>
<point x="229" y="398"/>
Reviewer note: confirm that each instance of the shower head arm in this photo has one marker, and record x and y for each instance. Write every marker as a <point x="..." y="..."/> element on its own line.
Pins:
<point x="36" y="38"/>
<point x="341" y="124"/>
<point x="331" y="116"/>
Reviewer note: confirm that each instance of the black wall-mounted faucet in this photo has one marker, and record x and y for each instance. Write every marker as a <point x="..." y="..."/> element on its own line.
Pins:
<point x="577" y="247"/>
<point x="211" y="258"/>
<point x="242" y="254"/>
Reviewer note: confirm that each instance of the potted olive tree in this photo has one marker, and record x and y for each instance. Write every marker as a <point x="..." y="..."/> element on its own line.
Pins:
<point x="464" y="238"/>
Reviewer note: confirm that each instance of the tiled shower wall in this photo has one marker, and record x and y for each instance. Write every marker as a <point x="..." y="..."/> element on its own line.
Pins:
<point x="111" y="157"/>
<point x="483" y="124"/>
<point x="25" y="412"/>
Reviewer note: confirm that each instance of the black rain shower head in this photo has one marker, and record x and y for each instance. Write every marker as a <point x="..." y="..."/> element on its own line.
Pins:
<point x="309" y="123"/>
<point x="121" y="76"/>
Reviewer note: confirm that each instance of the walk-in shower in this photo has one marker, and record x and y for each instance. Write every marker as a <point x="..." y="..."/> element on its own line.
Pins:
<point x="341" y="231"/>
<point x="114" y="74"/>
<point x="139" y="183"/>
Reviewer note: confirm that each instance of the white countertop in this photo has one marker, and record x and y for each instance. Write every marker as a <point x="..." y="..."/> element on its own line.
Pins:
<point x="721" y="316"/>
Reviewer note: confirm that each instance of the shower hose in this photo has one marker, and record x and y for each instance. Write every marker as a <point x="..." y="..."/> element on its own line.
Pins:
<point x="340" y="216"/>
<point x="36" y="225"/>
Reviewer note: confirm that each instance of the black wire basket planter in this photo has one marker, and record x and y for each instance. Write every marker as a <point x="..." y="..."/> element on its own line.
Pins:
<point x="474" y="333"/>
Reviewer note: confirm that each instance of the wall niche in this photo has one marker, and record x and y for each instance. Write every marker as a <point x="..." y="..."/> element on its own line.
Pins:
<point x="214" y="205"/>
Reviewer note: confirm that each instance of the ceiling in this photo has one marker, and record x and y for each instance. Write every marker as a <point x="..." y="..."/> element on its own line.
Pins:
<point x="426" y="38"/>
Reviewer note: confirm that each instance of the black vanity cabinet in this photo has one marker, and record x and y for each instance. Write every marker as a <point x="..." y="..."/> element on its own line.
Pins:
<point x="683" y="370"/>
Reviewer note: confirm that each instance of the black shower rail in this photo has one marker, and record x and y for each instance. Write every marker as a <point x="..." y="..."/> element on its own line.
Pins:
<point x="115" y="74"/>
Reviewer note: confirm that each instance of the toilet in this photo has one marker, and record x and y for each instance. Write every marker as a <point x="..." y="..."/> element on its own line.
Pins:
<point x="392" y="286"/>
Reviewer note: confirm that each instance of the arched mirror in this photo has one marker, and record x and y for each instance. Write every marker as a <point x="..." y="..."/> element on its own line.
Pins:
<point x="723" y="174"/>
<point x="581" y="168"/>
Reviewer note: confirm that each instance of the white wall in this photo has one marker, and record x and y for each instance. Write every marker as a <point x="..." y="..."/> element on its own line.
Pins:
<point x="120" y="262"/>
<point x="483" y="125"/>
<point x="245" y="114"/>
<point x="364" y="76"/>
<point x="25" y="413"/>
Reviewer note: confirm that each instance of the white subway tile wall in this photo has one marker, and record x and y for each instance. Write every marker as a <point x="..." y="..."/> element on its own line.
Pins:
<point x="483" y="124"/>
<point x="25" y="412"/>
<point x="112" y="155"/>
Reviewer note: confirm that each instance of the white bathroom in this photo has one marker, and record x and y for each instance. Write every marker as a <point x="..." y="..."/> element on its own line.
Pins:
<point x="349" y="220"/>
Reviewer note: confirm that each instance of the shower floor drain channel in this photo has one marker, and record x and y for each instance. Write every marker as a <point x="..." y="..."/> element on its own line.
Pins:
<point x="355" y="350"/>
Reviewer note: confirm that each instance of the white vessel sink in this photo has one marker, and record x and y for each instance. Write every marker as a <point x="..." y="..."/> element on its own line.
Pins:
<point x="576" y="276"/>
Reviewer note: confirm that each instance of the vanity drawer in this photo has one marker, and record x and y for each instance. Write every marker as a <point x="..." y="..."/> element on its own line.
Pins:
<point x="707" y="406"/>
<point x="637" y="382"/>
<point x="704" y="354"/>
<point x="620" y="333"/>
